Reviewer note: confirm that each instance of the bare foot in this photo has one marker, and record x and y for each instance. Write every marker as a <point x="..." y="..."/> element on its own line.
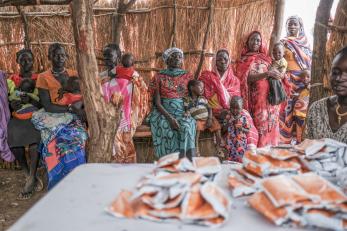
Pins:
<point x="28" y="188"/>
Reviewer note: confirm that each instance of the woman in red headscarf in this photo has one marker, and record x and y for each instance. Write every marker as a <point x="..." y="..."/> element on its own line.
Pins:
<point x="253" y="71"/>
<point x="220" y="83"/>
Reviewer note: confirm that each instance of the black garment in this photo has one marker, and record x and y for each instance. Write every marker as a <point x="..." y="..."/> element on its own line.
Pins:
<point x="276" y="94"/>
<point x="22" y="133"/>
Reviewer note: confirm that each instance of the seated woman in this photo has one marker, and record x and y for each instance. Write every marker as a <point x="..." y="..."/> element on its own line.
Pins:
<point x="21" y="131"/>
<point x="253" y="71"/>
<point x="171" y="130"/>
<point x="62" y="133"/>
<point x="327" y="118"/>
<point x="220" y="84"/>
<point x="123" y="81"/>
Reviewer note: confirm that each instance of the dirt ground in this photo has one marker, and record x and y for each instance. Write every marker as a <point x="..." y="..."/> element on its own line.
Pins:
<point x="11" y="182"/>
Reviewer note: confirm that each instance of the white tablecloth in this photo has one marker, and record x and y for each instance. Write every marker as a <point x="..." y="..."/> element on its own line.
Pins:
<point x="78" y="204"/>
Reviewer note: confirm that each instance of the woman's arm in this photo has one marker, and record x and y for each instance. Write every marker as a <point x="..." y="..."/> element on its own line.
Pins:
<point x="160" y="107"/>
<point x="173" y="123"/>
<point x="252" y="78"/>
<point x="47" y="104"/>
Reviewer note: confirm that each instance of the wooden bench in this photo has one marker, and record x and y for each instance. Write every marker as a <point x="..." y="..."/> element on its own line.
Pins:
<point x="144" y="145"/>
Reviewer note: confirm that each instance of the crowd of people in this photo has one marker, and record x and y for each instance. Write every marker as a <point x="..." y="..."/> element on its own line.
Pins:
<point x="260" y="100"/>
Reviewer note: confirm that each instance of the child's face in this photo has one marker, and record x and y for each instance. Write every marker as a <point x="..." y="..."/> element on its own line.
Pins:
<point x="236" y="107"/>
<point x="198" y="89"/>
<point x="306" y="76"/>
<point x="278" y="52"/>
<point x="27" y="87"/>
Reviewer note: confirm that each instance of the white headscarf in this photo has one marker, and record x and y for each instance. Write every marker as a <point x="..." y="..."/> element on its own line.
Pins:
<point x="168" y="52"/>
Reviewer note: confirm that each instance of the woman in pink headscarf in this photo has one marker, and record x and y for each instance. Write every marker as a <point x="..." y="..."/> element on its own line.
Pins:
<point x="253" y="71"/>
<point x="220" y="83"/>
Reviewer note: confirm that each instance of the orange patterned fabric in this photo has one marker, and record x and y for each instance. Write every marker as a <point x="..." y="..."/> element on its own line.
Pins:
<point x="47" y="81"/>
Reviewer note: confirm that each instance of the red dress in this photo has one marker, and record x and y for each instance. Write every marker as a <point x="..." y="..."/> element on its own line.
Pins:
<point x="265" y="115"/>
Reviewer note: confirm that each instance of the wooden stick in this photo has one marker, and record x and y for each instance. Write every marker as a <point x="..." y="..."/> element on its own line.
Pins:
<point x="276" y="31"/>
<point x="338" y="28"/>
<point x="118" y="19"/>
<point x="209" y="22"/>
<point x="25" y="26"/>
<point x="319" y="49"/>
<point x="134" y="11"/>
<point x="174" y="25"/>
<point x="4" y="3"/>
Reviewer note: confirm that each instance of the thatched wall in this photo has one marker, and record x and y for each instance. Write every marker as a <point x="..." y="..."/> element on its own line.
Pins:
<point x="144" y="34"/>
<point x="337" y="39"/>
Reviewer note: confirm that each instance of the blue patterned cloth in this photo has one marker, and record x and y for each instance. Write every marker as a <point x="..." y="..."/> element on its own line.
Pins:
<point x="62" y="143"/>
<point x="165" y="139"/>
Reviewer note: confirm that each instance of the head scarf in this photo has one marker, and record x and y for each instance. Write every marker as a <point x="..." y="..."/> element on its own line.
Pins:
<point x="262" y="48"/>
<point x="299" y="45"/>
<point x="244" y="64"/>
<point x="167" y="53"/>
<point x="301" y="30"/>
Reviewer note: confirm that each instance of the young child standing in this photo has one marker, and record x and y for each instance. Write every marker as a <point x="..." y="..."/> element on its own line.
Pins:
<point x="277" y="93"/>
<point x="240" y="132"/>
<point x="196" y="105"/>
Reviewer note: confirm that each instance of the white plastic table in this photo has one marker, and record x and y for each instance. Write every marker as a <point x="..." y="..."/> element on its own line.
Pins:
<point x="78" y="203"/>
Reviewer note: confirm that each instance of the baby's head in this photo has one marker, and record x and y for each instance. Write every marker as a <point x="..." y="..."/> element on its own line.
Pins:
<point x="127" y="60"/>
<point x="73" y="85"/>
<point x="278" y="51"/>
<point x="306" y="76"/>
<point x="27" y="85"/>
<point x="195" y="87"/>
<point x="236" y="105"/>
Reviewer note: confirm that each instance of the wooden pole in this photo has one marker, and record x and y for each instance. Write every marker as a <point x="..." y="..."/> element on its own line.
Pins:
<point x="118" y="19"/>
<point x="209" y="22"/>
<point x="319" y="50"/>
<point x="25" y="27"/>
<point x="174" y="26"/>
<point x="278" y="22"/>
<point x="103" y="118"/>
<point x="33" y="2"/>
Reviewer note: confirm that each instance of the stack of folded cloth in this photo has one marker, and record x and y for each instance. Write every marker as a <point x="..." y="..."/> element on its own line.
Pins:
<point x="304" y="200"/>
<point x="177" y="189"/>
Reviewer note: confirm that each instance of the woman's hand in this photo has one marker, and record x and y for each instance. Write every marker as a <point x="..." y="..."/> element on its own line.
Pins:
<point x="174" y="123"/>
<point x="209" y="123"/>
<point x="275" y="74"/>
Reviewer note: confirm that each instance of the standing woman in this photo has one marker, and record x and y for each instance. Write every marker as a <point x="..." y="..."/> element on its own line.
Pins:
<point x="21" y="132"/>
<point x="298" y="55"/>
<point x="63" y="136"/>
<point x="220" y="83"/>
<point x="253" y="71"/>
<point x="171" y="130"/>
<point x="136" y="102"/>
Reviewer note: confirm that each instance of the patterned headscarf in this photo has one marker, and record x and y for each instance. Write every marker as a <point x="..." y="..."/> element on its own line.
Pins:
<point x="299" y="19"/>
<point x="167" y="53"/>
